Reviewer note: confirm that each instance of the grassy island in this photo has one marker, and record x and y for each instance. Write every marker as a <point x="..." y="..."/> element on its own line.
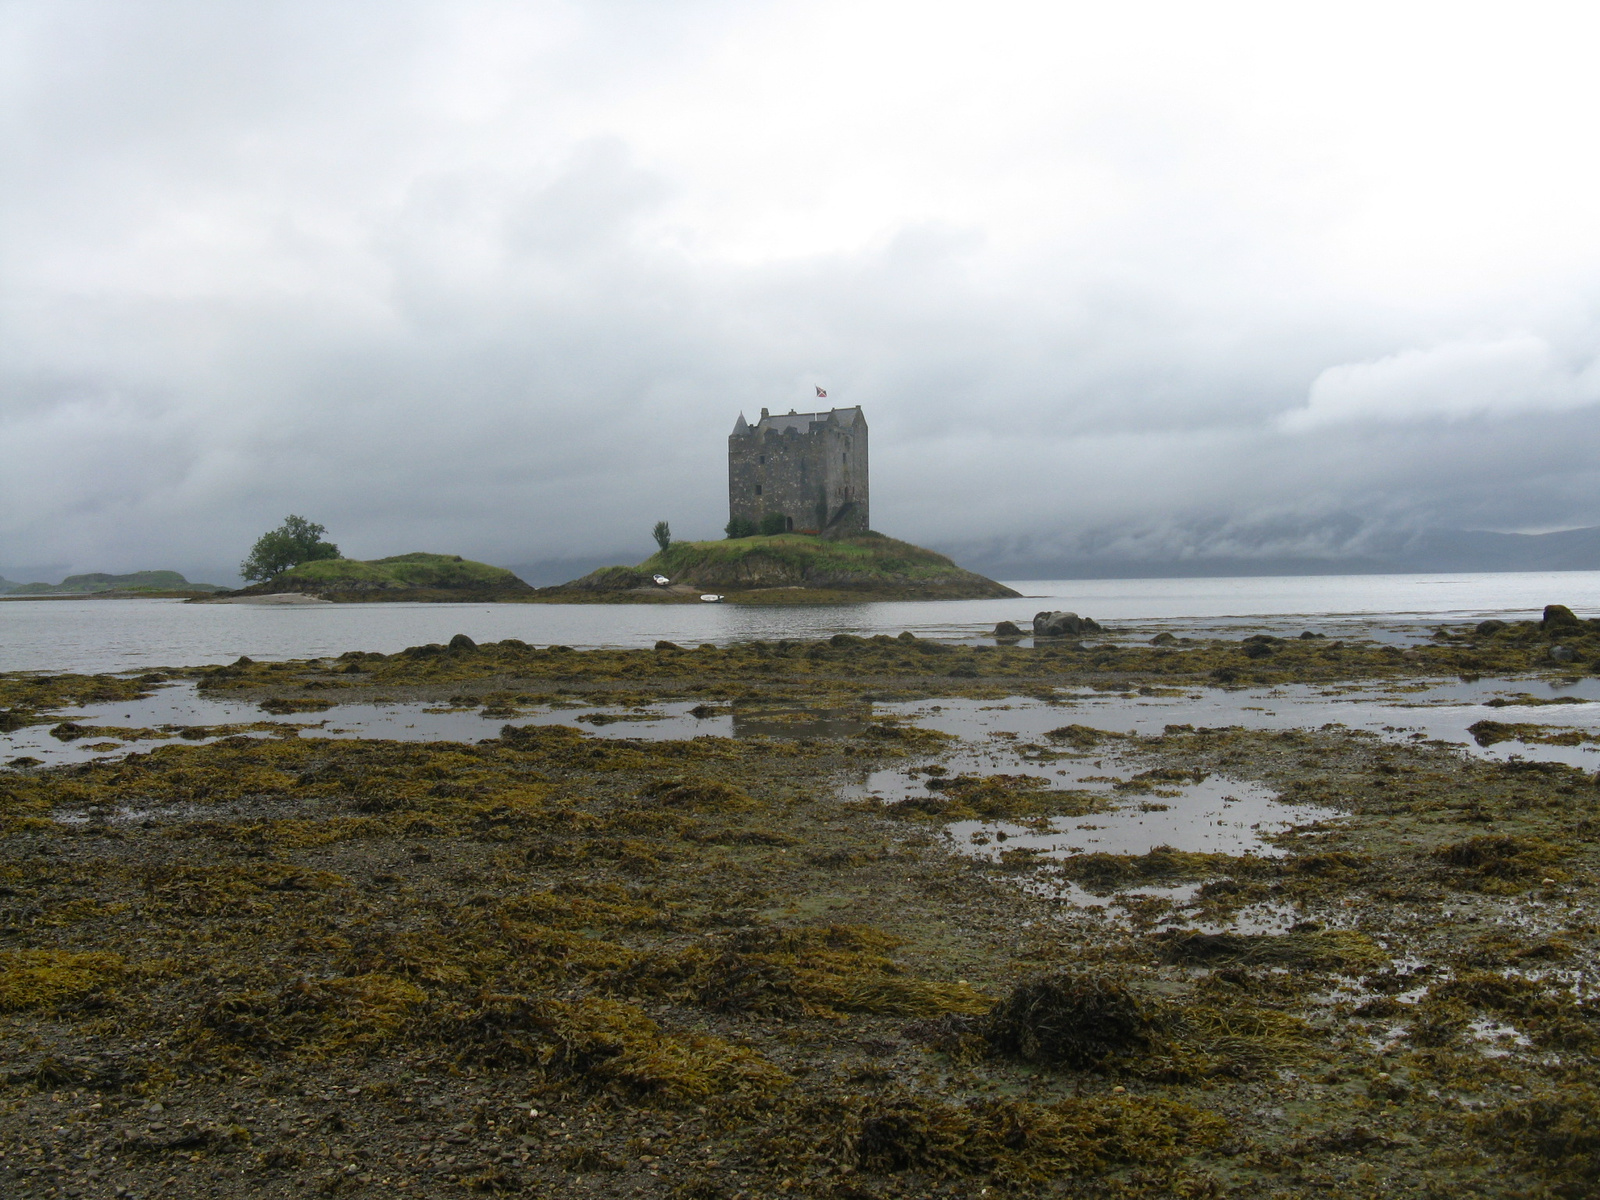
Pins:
<point x="416" y="576"/>
<point x="789" y="568"/>
<point x="98" y="583"/>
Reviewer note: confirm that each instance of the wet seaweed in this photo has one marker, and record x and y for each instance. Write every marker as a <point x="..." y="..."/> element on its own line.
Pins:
<point x="806" y="971"/>
<point x="1082" y="1022"/>
<point x="1340" y="950"/>
<point x="1557" y="1135"/>
<point x="1502" y="863"/>
<point x="1015" y="1144"/>
<point x="686" y="968"/>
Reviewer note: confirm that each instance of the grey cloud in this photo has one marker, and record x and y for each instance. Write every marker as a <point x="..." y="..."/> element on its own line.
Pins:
<point x="256" y="261"/>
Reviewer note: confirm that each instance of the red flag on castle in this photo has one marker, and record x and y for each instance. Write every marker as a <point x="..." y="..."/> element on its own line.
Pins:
<point x="821" y="395"/>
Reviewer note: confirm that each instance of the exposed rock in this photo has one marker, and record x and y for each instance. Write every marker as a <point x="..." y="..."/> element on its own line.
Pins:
<point x="1486" y="628"/>
<point x="1007" y="629"/>
<point x="1559" y="616"/>
<point x="1163" y="639"/>
<point x="462" y="642"/>
<point x="1562" y="653"/>
<point x="1062" y="624"/>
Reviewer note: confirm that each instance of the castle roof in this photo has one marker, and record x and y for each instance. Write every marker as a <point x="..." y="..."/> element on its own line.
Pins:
<point x="802" y="422"/>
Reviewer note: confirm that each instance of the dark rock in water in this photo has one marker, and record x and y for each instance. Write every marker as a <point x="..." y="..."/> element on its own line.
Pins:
<point x="1259" y="645"/>
<point x="1485" y="628"/>
<point x="67" y="731"/>
<point x="1007" y="629"/>
<point x="1562" y="653"/>
<point x="243" y="661"/>
<point x="1308" y="635"/>
<point x="462" y="642"/>
<point x="1062" y="624"/>
<point x="666" y="645"/>
<point x="1557" y="616"/>
<point x="1163" y="639"/>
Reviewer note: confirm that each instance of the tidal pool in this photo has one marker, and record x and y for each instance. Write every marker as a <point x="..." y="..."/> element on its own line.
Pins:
<point x="1440" y="710"/>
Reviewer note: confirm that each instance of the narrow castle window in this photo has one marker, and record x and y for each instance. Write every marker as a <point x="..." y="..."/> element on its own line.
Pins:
<point x="758" y="489"/>
<point x="762" y="459"/>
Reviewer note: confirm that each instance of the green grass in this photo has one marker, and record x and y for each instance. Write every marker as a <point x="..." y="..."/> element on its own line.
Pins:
<point x="870" y="555"/>
<point x="99" y="581"/>
<point x="418" y="574"/>
<point x="869" y="563"/>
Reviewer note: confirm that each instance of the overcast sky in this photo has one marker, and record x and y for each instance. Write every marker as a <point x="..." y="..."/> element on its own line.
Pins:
<point x="496" y="278"/>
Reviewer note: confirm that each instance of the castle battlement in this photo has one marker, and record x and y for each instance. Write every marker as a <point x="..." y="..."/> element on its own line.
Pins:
<point x="810" y="468"/>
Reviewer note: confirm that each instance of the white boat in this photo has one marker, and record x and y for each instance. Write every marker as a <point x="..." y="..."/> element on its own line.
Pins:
<point x="712" y="598"/>
<point x="661" y="580"/>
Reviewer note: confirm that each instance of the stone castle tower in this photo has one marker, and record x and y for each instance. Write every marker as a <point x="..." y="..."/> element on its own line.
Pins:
<point x="810" y="468"/>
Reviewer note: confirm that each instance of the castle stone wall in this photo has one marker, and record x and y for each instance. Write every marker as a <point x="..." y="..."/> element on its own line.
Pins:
<point x="809" y="467"/>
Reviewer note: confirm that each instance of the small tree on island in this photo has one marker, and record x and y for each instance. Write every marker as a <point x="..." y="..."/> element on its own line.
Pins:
<point x="740" y="527"/>
<point x="663" y="535"/>
<point x="294" y="542"/>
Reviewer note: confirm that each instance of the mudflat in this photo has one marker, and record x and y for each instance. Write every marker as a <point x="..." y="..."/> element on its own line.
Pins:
<point x="847" y="955"/>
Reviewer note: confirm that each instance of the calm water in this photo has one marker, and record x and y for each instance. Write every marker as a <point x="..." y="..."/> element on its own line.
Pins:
<point x="119" y="635"/>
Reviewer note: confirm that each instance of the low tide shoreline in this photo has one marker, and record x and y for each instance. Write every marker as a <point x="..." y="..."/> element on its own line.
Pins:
<point x="826" y="957"/>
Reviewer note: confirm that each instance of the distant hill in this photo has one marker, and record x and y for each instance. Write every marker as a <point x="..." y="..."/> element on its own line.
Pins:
<point x="1421" y="552"/>
<point x="99" y="582"/>
<point x="417" y="576"/>
<point x="789" y="568"/>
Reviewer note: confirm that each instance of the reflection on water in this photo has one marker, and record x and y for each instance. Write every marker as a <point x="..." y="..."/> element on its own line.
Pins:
<point x="177" y="710"/>
<point x="1438" y="710"/>
<point x="1423" y="711"/>
<point x="758" y="721"/>
<point x="1211" y="815"/>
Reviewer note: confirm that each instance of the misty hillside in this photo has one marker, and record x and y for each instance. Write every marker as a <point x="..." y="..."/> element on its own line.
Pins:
<point x="1445" y="550"/>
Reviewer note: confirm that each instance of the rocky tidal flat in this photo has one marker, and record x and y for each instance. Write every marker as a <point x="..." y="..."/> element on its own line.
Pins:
<point x="863" y="917"/>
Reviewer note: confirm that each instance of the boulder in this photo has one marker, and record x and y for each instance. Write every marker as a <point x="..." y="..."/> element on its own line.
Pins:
<point x="1007" y="629"/>
<point x="1062" y="624"/>
<point x="1562" y="654"/>
<point x="1559" y="616"/>
<point x="1486" y="628"/>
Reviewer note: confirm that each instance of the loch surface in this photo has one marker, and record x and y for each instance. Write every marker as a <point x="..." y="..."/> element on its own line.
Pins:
<point x="124" y="635"/>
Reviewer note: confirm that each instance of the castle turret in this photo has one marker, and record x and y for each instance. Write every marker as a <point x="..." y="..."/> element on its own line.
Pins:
<point x="810" y="469"/>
